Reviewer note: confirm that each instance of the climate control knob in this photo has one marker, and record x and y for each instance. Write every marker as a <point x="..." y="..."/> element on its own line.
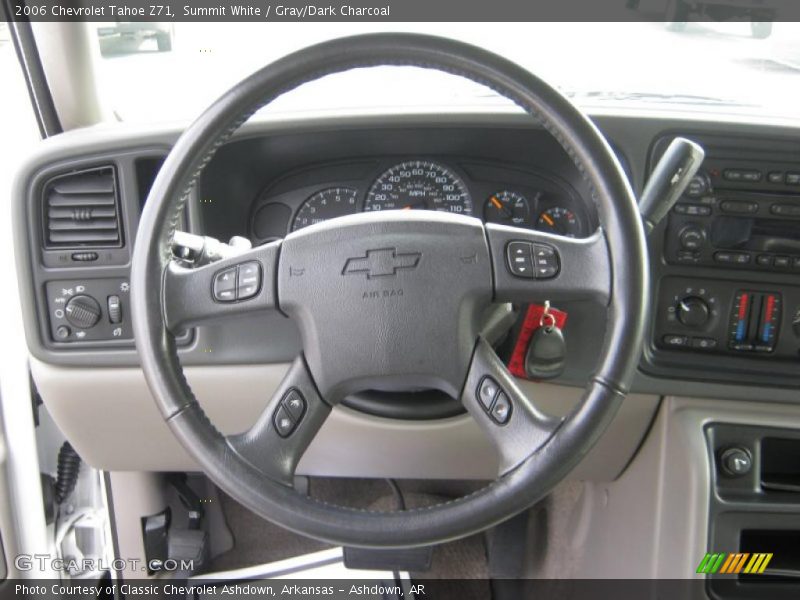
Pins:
<point x="693" y="311"/>
<point x="82" y="311"/>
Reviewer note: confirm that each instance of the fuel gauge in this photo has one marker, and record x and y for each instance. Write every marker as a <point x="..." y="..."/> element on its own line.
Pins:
<point x="508" y="208"/>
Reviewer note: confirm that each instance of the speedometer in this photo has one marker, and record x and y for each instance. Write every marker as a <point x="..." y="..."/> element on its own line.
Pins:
<point x="419" y="185"/>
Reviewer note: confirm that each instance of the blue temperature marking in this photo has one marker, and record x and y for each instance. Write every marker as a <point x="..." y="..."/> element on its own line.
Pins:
<point x="740" y="331"/>
<point x="765" y="335"/>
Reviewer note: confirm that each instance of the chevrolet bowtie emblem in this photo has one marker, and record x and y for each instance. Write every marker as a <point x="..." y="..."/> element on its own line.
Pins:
<point x="381" y="263"/>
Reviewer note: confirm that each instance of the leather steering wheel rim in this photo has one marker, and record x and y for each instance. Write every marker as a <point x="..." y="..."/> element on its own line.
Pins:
<point x="622" y="262"/>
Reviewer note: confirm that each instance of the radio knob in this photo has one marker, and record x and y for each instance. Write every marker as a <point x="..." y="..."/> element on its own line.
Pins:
<point x="82" y="311"/>
<point x="692" y="237"/>
<point x="693" y="311"/>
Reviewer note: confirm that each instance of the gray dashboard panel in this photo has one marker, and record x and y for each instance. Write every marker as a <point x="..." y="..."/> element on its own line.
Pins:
<point x="275" y="339"/>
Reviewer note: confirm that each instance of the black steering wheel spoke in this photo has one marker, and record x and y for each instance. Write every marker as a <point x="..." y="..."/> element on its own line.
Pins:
<point x="237" y="285"/>
<point x="531" y="265"/>
<point x="504" y="412"/>
<point x="276" y="442"/>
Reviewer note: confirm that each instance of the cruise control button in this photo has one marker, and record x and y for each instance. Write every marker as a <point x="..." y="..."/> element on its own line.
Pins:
<point x="545" y="261"/>
<point x="225" y="285"/>
<point x="249" y="280"/>
<point x="295" y="405"/>
<point x="487" y="390"/>
<point x="502" y="409"/>
<point x="520" y="259"/>
<point x="284" y="424"/>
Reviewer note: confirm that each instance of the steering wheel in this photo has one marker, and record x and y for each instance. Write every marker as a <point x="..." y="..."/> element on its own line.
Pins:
<point x="391" y="301"/>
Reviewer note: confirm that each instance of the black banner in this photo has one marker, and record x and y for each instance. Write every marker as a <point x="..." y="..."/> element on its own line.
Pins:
<point x="401" y="10"/>
<point x="364" y="589"/>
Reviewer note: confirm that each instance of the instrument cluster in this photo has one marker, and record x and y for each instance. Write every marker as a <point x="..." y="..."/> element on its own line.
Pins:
<point x="496" y="194"/>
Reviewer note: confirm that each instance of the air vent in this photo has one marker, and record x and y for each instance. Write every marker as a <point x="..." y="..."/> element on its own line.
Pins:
<point x="82" y="209"/>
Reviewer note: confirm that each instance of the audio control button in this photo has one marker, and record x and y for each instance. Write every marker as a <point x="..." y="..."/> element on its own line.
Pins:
<point x="739" y="207"/>
<point x="764" y="260"/>
<point x="692" y="237"/>
<point x="785" y="210"/>
<point x="782" y="262"/>
<point x="739" y="258"/>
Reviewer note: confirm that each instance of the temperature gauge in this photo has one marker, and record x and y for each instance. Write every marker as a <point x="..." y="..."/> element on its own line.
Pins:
<point x="560" y="221"/>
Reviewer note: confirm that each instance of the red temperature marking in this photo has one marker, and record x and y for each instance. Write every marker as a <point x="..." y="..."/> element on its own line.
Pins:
<point x="743" y="307"/>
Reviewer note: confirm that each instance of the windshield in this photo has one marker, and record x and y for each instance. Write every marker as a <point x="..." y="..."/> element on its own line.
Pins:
<point x="172" y="72"/>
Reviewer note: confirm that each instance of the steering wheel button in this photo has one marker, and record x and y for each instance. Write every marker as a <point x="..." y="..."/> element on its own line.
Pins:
<point x="284" y="424"/>
<point x="545" y="261"/>
<point x="501" y="411"/>
<point x="249" y="280"/>
<point x="249" y="273"/>
<point x="225" y="285"/>
<point x="487" y="391"/>
<point x="295" y="405"/>
<point x="520" y="259"/>
<point x="247" y="291"/>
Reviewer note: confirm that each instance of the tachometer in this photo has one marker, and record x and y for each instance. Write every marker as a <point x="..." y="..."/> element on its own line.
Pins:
<point x="324" y="205"/>
<point x="419" y="185"/>
<point x="559" y="220"/>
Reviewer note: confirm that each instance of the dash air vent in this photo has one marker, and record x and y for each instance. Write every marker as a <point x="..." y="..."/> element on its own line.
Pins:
<point x="82" y="209"/>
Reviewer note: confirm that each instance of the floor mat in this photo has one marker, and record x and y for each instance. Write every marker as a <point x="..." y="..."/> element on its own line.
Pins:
<point x="258" y="541"/>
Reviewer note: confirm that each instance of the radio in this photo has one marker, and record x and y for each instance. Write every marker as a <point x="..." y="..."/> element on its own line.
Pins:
<point x="738" y="219"/>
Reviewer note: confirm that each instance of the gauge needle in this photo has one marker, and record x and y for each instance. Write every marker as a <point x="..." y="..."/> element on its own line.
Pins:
<point x="504" y="210"/>
<point x="548" y="219"/>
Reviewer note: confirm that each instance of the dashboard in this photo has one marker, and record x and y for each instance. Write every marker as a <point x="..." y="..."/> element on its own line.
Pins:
<point x="497" y="193"/>
<point x="728" y="249"/>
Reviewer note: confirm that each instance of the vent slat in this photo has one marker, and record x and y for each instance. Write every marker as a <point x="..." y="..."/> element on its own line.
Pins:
<point x="90" y="183"/>
<point x="81" y="209"/>
<point x="76" y="237"/>
<point x="69" y="213"/>
<point x="57" y="199"/>
<point x="64" y="224"/>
